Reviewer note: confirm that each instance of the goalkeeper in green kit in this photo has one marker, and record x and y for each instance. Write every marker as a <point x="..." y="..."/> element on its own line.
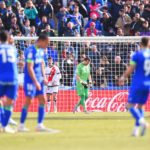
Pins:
<point x="84" y="82"/>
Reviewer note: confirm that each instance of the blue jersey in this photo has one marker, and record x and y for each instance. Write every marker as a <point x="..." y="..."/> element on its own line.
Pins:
<point x="8" y="65"/>
<point x="141" y="76"/>
<point x="36" y="56"/>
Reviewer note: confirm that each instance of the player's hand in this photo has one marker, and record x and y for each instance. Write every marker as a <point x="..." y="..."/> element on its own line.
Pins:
<point x="45" y="81"/>
<point x="90" y="84"/>
<point x="38" y="86"/>
<point x="84" y="84"/>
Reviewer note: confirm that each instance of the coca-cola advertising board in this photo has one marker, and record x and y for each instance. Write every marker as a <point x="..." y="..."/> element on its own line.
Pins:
<point x="98" y="101"/>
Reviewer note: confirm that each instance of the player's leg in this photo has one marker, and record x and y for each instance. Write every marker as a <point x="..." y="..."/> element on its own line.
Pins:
<point x="55" y="92"/>
<point x="1" y="111"/>
<point x="86" y="92"/>
<point x="80" y="102"/>
<point x="49" y="100"/>
<point x="55" y="102"/>
<point x="138" y="97"/>
<point x="41" y="113"/>
<point x="142" y="101"/>
<point x="11" y="121"/>
<point x="24" y="113"/>
<point x="142" y="121"/>
<point x="136" y="115"/>
<point x="2" y="91"/>
<point x="11" y="95"/>
<point x="83" y="98"/>
<point x="29" y="90"/>
<point x="80" y="92"/>
<point x="41" y="109"/>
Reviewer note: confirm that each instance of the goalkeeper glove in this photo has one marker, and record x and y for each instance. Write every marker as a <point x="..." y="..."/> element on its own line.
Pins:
<point x="84" y="84"/>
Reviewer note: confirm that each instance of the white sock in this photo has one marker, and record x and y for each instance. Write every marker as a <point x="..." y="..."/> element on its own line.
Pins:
<point x="142" y="121"/>
<point x="40" y="124"/>
<point x="55" y="106"/>
<point x="49" y="106"/>
<point x="22" y="125"/>
<point x="136" y="130"/>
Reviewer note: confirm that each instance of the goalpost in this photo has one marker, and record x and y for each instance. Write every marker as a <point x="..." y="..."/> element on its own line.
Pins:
<point x="109" y="58"/>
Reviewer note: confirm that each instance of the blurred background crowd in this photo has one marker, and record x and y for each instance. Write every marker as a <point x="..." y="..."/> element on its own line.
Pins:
<point x="79" y="18"/>
<point x="75" y="17"/>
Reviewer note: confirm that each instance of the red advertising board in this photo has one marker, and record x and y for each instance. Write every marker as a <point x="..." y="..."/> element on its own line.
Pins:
<point x="98" y="101"/>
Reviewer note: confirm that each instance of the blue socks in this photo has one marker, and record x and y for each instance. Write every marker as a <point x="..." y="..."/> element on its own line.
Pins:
<point x="41" y="113"/>
<point x="6" y="113"/>
<point x="141" y="112"/>
<point x="137" y="114"/>
<point x="24" y="113"/>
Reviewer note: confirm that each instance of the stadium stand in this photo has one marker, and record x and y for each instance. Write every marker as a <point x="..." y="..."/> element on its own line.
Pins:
<point x="75" y="17"/>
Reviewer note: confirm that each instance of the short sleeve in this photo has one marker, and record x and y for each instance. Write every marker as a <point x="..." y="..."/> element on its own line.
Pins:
<point x="29" y="56"/>
<point x="134" y="59"/>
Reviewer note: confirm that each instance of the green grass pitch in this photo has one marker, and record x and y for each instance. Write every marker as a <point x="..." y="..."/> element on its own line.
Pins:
<point x="96" y="131"/>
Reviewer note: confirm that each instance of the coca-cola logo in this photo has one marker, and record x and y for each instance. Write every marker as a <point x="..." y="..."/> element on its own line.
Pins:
<point x="110" y="103"/>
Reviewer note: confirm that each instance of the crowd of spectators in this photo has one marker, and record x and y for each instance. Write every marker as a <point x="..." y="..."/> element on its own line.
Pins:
<point x="80" y="18"/>
<point x="75" y="17"/>
<point x="108" y="59"/>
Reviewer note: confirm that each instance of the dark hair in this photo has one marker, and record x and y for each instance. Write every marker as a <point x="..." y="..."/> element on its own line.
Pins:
<point x="42" y="37"/>
<point x="87" y="58"/>
<point x="3" y="36"/>
<point x="50" y="58"/>
<point x="144" y="41"/>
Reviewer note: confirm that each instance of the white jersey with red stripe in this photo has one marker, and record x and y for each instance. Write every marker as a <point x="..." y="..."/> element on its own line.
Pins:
<point x="53" y="75"/>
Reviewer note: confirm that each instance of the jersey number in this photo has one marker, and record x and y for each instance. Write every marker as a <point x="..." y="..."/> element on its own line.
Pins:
<point x="7" y="56"/>
<point x="147" y="67"/>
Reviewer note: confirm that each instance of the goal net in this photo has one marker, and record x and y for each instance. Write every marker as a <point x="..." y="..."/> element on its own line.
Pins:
<point x="109" y="58"/>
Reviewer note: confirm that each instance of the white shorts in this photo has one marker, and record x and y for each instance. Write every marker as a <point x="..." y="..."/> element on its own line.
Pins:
<point x="51" y="90"/>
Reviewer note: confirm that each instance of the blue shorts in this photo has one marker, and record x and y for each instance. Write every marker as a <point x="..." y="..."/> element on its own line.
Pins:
<point x="31" y="91"/>
<point x="9" y="91"/>
<point x="138" y="95"/>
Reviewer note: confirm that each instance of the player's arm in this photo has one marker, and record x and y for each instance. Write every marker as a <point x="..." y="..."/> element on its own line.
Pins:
<point x="32" y="74"/>
<point x="130" y="69"/>
<point x="59" y="74"/>
<point x="78" y="74"/>
<point x="79" y="70"/>
<point x="127" y="73"/>
<point x="30" y="65"/>
<point x="43" y="72"/>
<point x="90" y="79"/>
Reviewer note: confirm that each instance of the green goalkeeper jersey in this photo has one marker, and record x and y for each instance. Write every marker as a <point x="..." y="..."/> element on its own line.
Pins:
<point x="83" y="72"/>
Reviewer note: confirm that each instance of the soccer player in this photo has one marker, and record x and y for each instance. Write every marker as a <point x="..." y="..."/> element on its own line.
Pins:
<point x="34" y="80"/>
<point x="84" y="81"/>
<point x="8" y="80"/>
<point x="139" y="90"/>
<point x="53" y="75"/>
